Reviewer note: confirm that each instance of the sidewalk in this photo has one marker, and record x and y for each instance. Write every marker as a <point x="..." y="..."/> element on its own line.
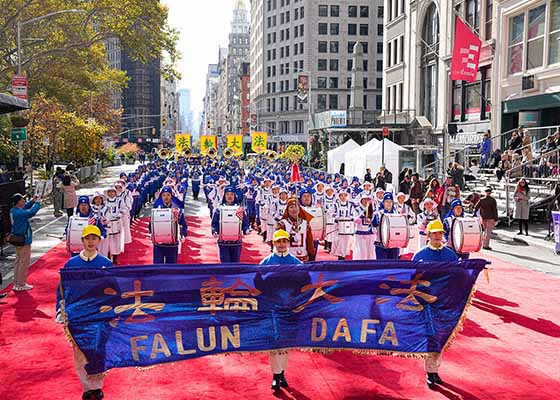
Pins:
<point x="537" y="234"/>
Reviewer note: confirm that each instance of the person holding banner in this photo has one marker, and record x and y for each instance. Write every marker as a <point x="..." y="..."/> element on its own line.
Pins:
<point x="236" y="224"/>
<point x="281" y="255"/>
<point x="434" y="251"/>
<point x="88" y="258"/>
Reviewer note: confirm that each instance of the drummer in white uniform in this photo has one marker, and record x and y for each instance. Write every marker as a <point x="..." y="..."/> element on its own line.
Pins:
<point x="387" y="207"/>
<point x="113" y="214"/>
<point x="404" y="209"/>
<point x="456" y="211"/>
<point x="98" y="209"/>
<point x="343" y="214"/>
<point x="84" y="213"/>
<point x="364" y="236"/>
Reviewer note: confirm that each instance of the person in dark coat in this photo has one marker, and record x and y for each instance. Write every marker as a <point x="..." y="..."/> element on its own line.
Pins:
<point x="367" y="176"/>
<point x="489" y="213"/>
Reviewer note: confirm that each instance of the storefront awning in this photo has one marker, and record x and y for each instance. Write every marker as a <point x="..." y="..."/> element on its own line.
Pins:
<point x="539" y="102"/>
<point x="10" y="104"/>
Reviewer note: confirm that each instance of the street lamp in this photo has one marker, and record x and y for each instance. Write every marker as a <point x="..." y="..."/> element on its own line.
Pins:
<point x="21" y="24"/>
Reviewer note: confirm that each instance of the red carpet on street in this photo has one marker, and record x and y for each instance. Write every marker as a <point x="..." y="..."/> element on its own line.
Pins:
<point x="509" y="348"/>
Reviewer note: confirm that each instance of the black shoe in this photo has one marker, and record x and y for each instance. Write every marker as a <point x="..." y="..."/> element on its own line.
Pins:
<point x="487" y="248"/>
<point x="276" y="379"/>
<point x="520" y="233"/>
<point x="526" y="233"/>
<point x="96" y="394"/>
<point x="283" y="381"/>
<point x="433" y="379"/>
<point x="340" y="258"/>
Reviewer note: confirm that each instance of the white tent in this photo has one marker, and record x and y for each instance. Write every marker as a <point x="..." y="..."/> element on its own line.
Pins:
<point x="336" y="156"/>
<point x="391" y="157"/>
<point x="355" y="160"/>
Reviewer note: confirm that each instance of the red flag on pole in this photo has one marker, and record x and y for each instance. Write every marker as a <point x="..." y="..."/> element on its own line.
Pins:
<point x="466" y="53"/>
<point x="295" y="176"/>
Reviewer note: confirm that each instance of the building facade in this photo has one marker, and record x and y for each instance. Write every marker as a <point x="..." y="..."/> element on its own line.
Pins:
<point x="209" y="115"/>
<point x="316" y="39"/>
<point x="169" y="111"/>
<point x="186" y="120"/>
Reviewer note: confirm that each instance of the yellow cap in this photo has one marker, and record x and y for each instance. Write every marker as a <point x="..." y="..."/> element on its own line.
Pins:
<point x="435" y="226"/>
<point x="91" y="230"/>
<point x="280" y="234"/>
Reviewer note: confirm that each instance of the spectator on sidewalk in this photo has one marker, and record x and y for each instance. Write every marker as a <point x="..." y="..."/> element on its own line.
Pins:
<point x="380" y="181"/>
<point x="472" y="173"/>
<point x="515" y="143"/>
<point x="416" y="193"/>
<point x="69" y="185"/>
<point x="367" y="176"/>
<point x="521" y="197"/>
<point x="495" y="158"/>
<point x="457" y="173"/>
<point x="21" y="213"/>
<point x="503" y="166"/>
<point x="58" y="196"/>
<point x="387" y="175"/>
<point x="485" y="150"/>
<point x="489" y="213"/>
<point x="405" y="185"/>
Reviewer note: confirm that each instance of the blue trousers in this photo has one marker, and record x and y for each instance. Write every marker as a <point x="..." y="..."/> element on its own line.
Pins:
<point x="230" y="253"/>
<point x="165" y="254"/>
<point x="316" y="245"/>
<point x="381" y="253"/>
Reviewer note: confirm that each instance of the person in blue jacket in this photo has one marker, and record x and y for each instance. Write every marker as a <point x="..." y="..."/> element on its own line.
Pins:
<point x="386" y="207"/>
<point x="20" y="215"/>
<point x="456" y="211"/>
<point x="88" y="258"/>
<point x="84" y="211"/>
<point x="196" y="176"/>
<point x="434" y="251"/>
<point x="230" y="251"/>
<point x="167" y="254"/>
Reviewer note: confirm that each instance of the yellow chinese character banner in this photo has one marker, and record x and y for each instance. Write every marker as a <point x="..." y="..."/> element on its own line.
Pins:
<point x="259" y="142"/>
<point x="206" y="143"/>
<point x="182" y="141"/>
<point x="235" y="142"/>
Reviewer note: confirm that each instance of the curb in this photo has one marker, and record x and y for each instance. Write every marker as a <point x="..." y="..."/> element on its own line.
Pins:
<point x="538" y="242"/>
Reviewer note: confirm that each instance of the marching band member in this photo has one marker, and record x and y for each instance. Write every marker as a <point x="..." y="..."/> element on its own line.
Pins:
<point x="387" y="207"/>
<point x="330" y="231"/>
<point x="364" y="236"/>
<point x="88" y="258"/>
<point x="195" y="176"/>
<point x="114" y="211"/>
<point x="262" y="199"/>
<point x="429" y="213"/>
<point x="126" y="204"/>
<point x="434" y="251"/>
<point x="456" y="211"/>
<point x="230" y="250"/>
<point x="84" y="211"/>
<point x="296" y="222"/>
<point x="319" y="195"/>
<point x="98" y="209"/>
<point x="306" y="200"/>
<point x="378" y="199"/>
<point x="404" y="209"/>
<point x="216" y="196"/>
<point x="355" y="191"/>
<point x="282" y="255"/>
<point x="271" y="206"/>
<point x="167" y="254"/>
<point x="249" y="195"/>
<point x="343" y="212"/>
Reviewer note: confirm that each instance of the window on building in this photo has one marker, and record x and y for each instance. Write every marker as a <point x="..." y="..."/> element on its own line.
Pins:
<point x="364" y="11"/>
<point x="333" y="83"/>
<point x="322" y="101"/>
<point x="401" y="48"/>
<point x="390" y="10"/>
<point x="287" y="34"/>
<point x="352" y="11"/>
<point x="379" y="66"/>
<point x="334" y="47"/>
<point x="401" y="97"/>
<point x="379" y="48"/>
<point x="380" y="12"/>
<point x="554" y="39"/>
<point x="333" y="101"/>
<point x="287" y="20"/>
<point x="378" y="102"/>
<point x="323" y="10"/>
<point x="535" y="37"/>
<point x="379" y="83"/>
<point x="515" y="43"/>
<point x="365" y="65"/>
<point x="335" y="11"/>
<point x="295" y="49"/>
<point x="348" y="82"/>
<point x="365" y="83"/>
<point x="352" y="29"/>
<point x="389" y="56"/>
<point x="349" y="65"/>
<point x="322" y="64"/>
<point x="351" y="47"/>
<point x="395" y="52"/>
<point x="301" y="15"/>
<point x="488" y="21"/>
<point x="334" y="29"/>
<point x="296" y="13"/>
<point x="281" y="18"/>
<point x="323" y="28"/>
<point x="322" y="46"/>
<point x="282" y="35"/>
<point x="322" y="82"/>
<point x="429" y="64"/>
<point x="281" y="52"/>
<point x="348" y="101"/>
<point x="380" y="30"/>
<point x="301" y="30"/>
<point x="472" y="14"/>
<point x="364" y="29"/>
<point x="365" y="101"/>
<point x="333" y="65"/>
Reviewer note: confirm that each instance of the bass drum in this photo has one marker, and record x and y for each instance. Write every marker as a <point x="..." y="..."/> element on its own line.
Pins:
<point x="230" y="224"/>
<point x="345" y="227"/>
<point x="393" y="231"/>
<point x="466" y="235"/>
<point x="318" y="223"/>
<point x="164" y="226"/>
<point x="74" y="234"/>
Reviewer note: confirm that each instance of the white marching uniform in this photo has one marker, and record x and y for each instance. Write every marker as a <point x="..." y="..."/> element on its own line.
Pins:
<point x="277" y="209"/>
<point x="422" y="220"/>
<point x="126" y="200"/>
<point x="319" y="199"/>
<point x="364" y="237"/>
<point x="342" y="242"/>
<point x="262" y="199"/>
<point x="330" y="231"/>
<point x="113" y="214"/>
<point x="404" y="209"/>
<point x="271" y="221"/>
<point x="298" y="235"/>
<point x="99" y="212"/>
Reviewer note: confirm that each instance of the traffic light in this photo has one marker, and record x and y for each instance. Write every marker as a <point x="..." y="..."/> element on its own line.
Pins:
<point x="209" y="124"/>
<point x="153" y="131"/>
<point x="164" y="121"/>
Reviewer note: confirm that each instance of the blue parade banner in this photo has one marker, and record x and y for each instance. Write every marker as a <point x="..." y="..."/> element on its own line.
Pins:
<point x="146" y="315"/>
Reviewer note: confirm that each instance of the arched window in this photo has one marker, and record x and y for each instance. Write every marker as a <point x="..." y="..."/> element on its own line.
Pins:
<point x="429" y="63"/>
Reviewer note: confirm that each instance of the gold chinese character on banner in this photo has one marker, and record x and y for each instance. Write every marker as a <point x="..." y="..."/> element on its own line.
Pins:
<point x="318" y="293"/>
<point x="410" y="301"/>
<point x="213" y="296"/>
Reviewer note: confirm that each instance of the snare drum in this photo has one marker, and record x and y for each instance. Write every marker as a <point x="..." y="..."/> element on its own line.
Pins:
<point x="345" y="227"/>
<point x="230" y="224"/>
<point x="318" y="223"/>
<point x="74" y="234"/>
<point x="393" y="231"/>
<point x="164" y="227"/>
<point x="466" y="235"/>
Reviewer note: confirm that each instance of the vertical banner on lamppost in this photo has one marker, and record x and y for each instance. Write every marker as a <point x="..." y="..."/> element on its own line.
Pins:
<point x="259" y="142"/>
<point x="235" y="142"/>
<point x="466" y="53"/>
<point x="206" y="143"/>
<point x="302" y="88"/>
<point x="182" y="141"/>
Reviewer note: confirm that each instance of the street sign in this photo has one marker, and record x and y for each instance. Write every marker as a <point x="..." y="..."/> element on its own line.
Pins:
<point x="19" y="87"/>
<point x="385" y="131"/>
<point x="19" y="134"/>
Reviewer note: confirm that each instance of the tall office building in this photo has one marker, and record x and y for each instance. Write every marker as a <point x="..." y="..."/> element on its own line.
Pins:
<point x="317" y="39"/>
<point x="209" y="115"/>
<point x="186" y="122"/>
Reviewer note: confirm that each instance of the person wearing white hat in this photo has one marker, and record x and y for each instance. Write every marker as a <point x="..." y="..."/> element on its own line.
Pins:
<point x="403" y="208"/>
<point x="428" y="214"/>
<point x="263" y="195"/>
<point x="98" y="209"/>
<point x="364" y="235"/>
<point x="330" y="234"/>
<point x="114" y="211"/>
<point x="342" y="212"/>
<point x="126" y="200"/>
<point x="272" y="208"/>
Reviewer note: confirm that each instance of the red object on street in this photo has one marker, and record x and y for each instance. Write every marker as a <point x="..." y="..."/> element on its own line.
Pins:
<point x="295" y="176"/>
<point x="466" y="53"/>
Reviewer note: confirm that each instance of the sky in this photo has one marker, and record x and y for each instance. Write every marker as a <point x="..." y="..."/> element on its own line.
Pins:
<point x="204" y="27"/>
